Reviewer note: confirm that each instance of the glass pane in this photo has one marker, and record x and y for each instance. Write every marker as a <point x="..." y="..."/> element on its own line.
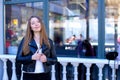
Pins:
<point x="112" y="31"/>
<point x="12" y="0"/>
<point x="68" y="21"/>
<point x="15" y="22"/>
<point x="8" y="0"/>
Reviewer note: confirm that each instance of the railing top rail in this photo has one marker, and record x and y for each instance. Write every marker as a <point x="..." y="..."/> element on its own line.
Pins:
<point x="7" y="56"/>
<point x="86" y="60"/>
<point x="72" y="60"/>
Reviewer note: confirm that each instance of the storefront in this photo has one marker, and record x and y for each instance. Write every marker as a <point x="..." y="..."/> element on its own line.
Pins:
<point x="93" y="19"/>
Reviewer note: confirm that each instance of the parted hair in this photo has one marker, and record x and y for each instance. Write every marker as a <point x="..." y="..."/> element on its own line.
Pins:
<point x="29" y="35"/>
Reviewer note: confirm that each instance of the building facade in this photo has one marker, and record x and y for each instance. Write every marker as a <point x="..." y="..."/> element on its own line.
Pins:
<point x="96" y="20"/>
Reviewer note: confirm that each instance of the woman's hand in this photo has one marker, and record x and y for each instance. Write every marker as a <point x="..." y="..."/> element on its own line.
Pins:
<point x="43" y="58"/>
<point x="36" y="56"/>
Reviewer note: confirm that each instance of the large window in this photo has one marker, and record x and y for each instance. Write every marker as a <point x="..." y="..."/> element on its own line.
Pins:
<point x="71" y="19"/>
<point x="16" y="17"/>
<point x="112" y="28"/>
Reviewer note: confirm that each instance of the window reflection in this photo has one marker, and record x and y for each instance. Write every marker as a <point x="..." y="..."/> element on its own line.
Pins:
<point x="16" y="19"/>
<point x="112" y="32"/>
<point x="68" y="21"/>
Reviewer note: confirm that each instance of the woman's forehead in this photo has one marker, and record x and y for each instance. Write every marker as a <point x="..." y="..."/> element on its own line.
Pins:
<point x="34" y="19"/>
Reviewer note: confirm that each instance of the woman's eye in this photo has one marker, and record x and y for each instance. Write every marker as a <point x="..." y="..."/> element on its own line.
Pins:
<point x="38" y="21"/>
<point x="32" y="23"/>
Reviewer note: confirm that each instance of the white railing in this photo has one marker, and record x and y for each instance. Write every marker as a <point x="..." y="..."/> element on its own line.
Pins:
<point x="100" y="63"/>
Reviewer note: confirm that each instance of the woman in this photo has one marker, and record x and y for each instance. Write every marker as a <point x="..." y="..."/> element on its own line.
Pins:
<point x="36" y="52"/>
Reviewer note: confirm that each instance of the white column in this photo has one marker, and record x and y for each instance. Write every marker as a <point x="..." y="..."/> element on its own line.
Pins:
<point x="64" y="70"/>
<point x="113" y="72"/>
<point x="100" y="66"/>
<point x="5" y="76"/>
<point x="114" y="67"/>
<point x="14" y="77"/>
<point x="1" y="28"/>
<point x="53" y="73"/>
<point x="75" y="70"/>
<point x="21" y="73"/>
<point x="88" y="70"/>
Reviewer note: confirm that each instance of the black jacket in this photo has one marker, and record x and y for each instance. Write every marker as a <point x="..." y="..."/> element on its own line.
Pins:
<point x="29" y="64"/>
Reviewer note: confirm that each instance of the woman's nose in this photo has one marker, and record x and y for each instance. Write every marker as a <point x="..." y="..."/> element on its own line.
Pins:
<point x="36" y="24"/>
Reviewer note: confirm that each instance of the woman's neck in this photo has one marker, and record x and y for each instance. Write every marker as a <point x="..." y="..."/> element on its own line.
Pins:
<point x="37" y="37"/>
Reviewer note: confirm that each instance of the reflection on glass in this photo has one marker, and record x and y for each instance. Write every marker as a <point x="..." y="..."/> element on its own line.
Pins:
<point x="112" y="32"/>
<point x="68" y="22"/>
<point x="16" y="17"/>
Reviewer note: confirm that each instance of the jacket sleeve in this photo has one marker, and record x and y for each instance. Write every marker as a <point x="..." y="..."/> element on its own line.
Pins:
<point x="19" y="57"/>
<point x="53" y="58"/>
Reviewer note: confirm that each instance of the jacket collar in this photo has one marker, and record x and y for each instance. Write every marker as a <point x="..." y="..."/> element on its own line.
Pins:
<point x="44" y="47"/>
<point x="32" y="43"/>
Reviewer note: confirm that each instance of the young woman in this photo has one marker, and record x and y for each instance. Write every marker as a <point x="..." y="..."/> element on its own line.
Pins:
<point x="36" y="52"/>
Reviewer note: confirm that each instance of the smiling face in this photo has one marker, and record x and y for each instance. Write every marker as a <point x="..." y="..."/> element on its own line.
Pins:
<point x="35" y="24"/>
<point x="35" y="27"/>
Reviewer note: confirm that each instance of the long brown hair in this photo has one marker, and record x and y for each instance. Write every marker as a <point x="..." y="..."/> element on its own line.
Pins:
<point x="29" y="35"/>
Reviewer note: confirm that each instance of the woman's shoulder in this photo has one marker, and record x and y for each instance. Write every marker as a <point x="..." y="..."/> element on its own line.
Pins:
<point x="22" y="40"/>
<point x="50" y="40"/>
